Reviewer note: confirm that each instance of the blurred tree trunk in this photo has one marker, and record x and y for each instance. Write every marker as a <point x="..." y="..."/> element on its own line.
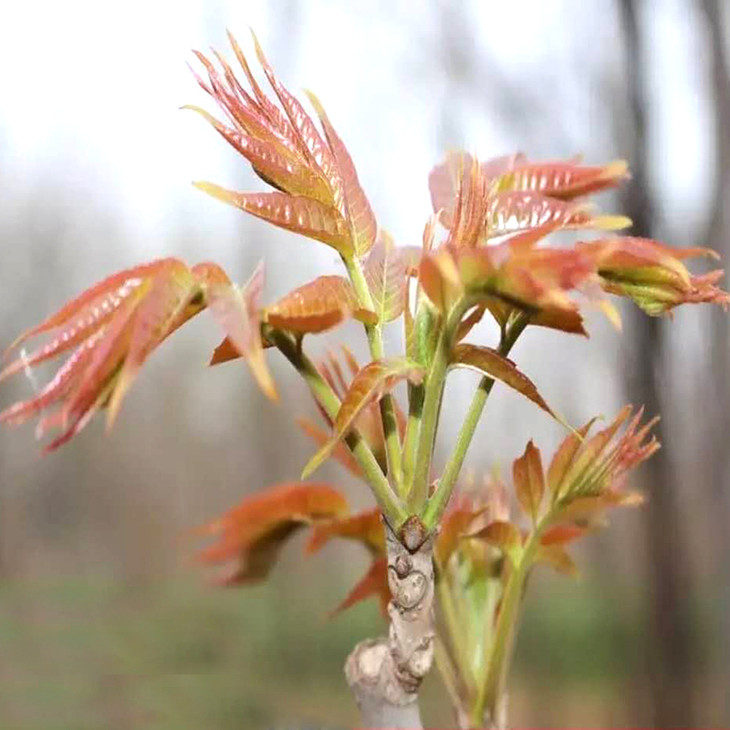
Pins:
<point x="671" y="660"/>
<point x="718" y="424"/>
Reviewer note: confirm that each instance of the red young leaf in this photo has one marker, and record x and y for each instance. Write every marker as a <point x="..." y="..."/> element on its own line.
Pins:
<point x="489" y="362"/>
<point x="358" y="208"/>
<point x="373" y="584"/>
<point x="253" y="533"/>
<point x="502" y="535"/>
<point x="363" y="527"/>
<point x="317" y="306"/>
<point x="529" y="481"/>
<point x="298" y="214"/>
<point x="113" y="327"/>
<point x="318" y="193"/>
<point x="562" y="534"/>
<point x="370" y="384"/>
<point x="237" y="312"/>
<point x="566" y="180"/>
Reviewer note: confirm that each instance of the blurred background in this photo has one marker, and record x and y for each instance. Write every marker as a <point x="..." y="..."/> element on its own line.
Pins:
<point x="105" y="619"/>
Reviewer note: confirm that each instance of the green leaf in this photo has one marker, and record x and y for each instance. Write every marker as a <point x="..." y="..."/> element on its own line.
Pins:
<point x="385" y="272"/>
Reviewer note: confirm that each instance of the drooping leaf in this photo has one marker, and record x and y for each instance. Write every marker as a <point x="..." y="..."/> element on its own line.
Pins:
<point x="369" y="385"/>
<point x="317" y="306"/>
<point x="363" y="527"/>
<point x="111" y="329"/>
<point x="529" y="481"/>
<point x="252" y="534"/>
<point x="385" y="272"/>
<point x="294" y="213"/>
<point x="322" y="437"/>
<point x="373" y="584"/>
<point x="489" y="362"/>
<point x="163" y="307"/>
<point x="237" y="312"/>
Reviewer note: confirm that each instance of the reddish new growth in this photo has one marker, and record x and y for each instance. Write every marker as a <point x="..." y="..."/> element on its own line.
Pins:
<point x="485" y="252"/>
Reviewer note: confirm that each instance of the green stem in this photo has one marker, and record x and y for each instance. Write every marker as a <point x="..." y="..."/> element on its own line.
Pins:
<point x="498" y="651"/>
<point x="377" y="351"/>
<point x="416" y="395"/>
<point x="437" y="504"/>
<point x="392" y="507"/>
<point x="434" y="384"/>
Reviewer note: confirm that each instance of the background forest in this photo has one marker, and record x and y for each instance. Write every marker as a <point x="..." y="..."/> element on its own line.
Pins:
<point x="105" y="619"/>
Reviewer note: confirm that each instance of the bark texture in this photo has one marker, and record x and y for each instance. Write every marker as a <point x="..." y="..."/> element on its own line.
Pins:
<point x="385" y="673"/>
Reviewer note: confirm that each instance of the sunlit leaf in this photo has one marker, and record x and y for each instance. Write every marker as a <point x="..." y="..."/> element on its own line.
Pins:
<point x="566" y="180"/>
<point x="298" y="214"/>
<point x="359" y="213"/>
<point x="317" y="306"/>
<point x="385" y="272"/>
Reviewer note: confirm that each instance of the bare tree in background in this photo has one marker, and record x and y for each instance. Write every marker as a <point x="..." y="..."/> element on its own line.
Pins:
<point x="718" y="237"/>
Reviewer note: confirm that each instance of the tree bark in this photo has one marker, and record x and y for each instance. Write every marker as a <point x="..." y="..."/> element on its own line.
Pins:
<point x="385" y="673"/>
<point x="670" y="649"/>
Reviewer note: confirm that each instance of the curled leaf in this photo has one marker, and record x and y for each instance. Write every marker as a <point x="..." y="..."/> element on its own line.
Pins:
<point x="489" y="362"/>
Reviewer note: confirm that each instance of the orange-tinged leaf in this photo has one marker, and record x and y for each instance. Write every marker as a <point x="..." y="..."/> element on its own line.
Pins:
<point x="489" y="362"/>
<point x="456" y="524"/>
<point x="359" y="212"/>
<point x="502" y="535"/>
<point x="562" y="534"/>
<point x="369" y="385"/>
<point x="237" y="312"/>
<point x="385" y="272"/>
<point x="271" y="162"/>
<point x="363" y="527"/>
<point x="317" y="306"/>
<point x="96" y="302"/>
<point x="310" y="140"/>
<point x="557" y="558"/>
<point x="565" y="179"/>
<point x="294" y="213"/>
<point x="253" y="533"/>
<point x="563" y="458"/>
<point x="373" y="584"/>
<point x="529" y="480"/>
<point x="510" y="212"/>
<point x="57" y="389"/>
<point x="162" y="310"/>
